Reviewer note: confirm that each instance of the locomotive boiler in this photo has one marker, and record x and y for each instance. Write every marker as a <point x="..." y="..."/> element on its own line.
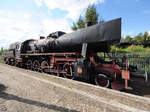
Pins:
<point x="98" y="37"/>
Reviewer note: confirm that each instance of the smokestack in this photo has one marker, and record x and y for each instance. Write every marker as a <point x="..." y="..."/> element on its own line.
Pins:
<point x="89" y="24"/>
<point x="41" y="37"/>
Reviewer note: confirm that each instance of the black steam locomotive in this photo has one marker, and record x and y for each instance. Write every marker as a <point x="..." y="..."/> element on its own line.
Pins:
<point x="71" y="55"/>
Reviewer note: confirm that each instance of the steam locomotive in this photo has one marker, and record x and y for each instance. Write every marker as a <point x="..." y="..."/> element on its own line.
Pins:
<point x="72" y="55"/>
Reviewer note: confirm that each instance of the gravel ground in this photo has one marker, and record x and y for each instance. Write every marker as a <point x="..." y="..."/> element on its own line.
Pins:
<point x="25" y="91"/>
<point x="23" y="94"/>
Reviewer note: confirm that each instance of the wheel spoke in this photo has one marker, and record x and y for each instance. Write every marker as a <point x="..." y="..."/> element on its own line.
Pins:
<point x="36" y="66"/>
<point x="29" y="64"/>
<point x="44" y="66"/>
<point x="69" y="71"/>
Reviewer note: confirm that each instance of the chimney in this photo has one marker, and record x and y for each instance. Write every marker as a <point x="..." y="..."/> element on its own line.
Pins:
<point x="41" y="37"/>
<point x="89" y="24"/>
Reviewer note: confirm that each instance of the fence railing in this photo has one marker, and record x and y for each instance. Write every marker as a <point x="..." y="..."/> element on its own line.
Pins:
<point x="141" y="60"/>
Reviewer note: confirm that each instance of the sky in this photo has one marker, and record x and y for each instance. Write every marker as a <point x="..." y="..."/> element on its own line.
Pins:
<point x="26" y="19"/>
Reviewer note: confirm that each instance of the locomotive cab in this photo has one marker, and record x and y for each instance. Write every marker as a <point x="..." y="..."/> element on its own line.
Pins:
<point x="13" y="53"/>
<point x="93" y="68"/>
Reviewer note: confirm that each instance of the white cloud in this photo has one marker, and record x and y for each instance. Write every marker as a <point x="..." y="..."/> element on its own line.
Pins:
<point x="125" y="33"/>
<point x="38" y="2"/>
<point x="74" y="7"/>
<point x="26" y="16"/>
<point x="51" y="25"/>
<point x="17" y="26"/>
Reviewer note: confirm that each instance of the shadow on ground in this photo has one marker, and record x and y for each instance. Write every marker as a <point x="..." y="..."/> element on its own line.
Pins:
<point x="139" y="87"/>
<point x="8" y="96"/>
<point x="2" y="87"/>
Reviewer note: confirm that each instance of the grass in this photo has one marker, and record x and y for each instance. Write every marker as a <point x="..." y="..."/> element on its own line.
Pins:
<point x="70" y="87"/>
<point x="1" y="52"/>
<point x="130" y="49"/>
<point x="1" y="60"/>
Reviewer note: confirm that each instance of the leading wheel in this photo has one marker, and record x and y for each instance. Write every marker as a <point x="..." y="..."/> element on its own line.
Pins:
<point x="69" y="71"/>
<point x="102" y="80"/>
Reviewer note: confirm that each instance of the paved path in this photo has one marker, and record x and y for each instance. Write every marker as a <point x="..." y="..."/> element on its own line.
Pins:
<point x="26" y="91"/>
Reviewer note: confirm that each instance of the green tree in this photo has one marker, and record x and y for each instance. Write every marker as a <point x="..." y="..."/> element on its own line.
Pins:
<point x="74" y="27"/>
<point x="91" y="15"/>
<point x="146" y="38"/>
<point x="139" y="38"/>
<point x="128" y="38"/>
<point x="80" y="23"/>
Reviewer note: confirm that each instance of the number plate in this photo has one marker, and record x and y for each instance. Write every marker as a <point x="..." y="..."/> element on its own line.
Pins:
<point x="125" y="74"/>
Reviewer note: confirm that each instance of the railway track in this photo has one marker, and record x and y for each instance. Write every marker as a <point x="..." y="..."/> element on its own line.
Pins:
<point x="41" y="92"/>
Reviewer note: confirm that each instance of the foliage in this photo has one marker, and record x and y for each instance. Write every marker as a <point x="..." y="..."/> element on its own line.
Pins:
<point x="74" y="27"/>
<point x="1" y="60"/>
<point x="90" y="16"/>
<point x="115" y="49"/>
<point x="1" y="52"/>
<point x="146" y="38"/>
<point x="127" y="38"/>
<point x="130" y="49"/>
<point x="134" y="48"/>
<point x="139" y="39"/>
<point x="80" y="23"/>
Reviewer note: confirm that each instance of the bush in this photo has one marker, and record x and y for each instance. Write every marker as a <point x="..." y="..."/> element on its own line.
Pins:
<point x="1" y="52"/>
<point x="134" y="48"/>
<point x="130" y="49"/>
<point x="115" y="49"/>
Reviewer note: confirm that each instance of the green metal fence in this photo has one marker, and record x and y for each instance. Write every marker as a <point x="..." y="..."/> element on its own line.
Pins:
<point x="141" y="60"/>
